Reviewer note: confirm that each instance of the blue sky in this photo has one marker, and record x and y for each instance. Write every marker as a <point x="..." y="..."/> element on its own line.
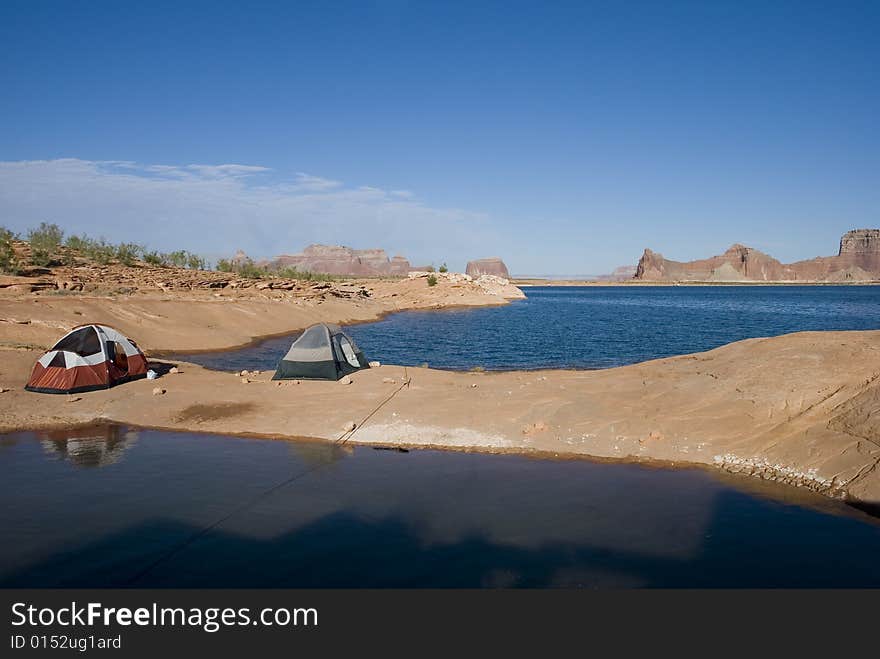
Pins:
<point x="564" y="137"/>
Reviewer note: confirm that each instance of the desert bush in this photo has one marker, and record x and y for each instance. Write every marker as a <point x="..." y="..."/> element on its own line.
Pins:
<point x="98" y="250"/>
<point x="444" y="268"/>
<point x="154" y="258"/>
<point x="302" y="275"/>
<point x="195" y="262"/>
<point x="45" y="241"/>
<point x="250" y="270"/>
<point x="432" y="280"/>
<point x="177" y="259"/>
<point x="128" y="253"/>
<point x="8" y="262"/>
<point x="77" y="243"/>
<point x="224" y="265"/>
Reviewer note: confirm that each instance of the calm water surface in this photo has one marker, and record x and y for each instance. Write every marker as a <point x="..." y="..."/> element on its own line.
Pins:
<point x="96" y="507"/>
<point x="590" y="327"/>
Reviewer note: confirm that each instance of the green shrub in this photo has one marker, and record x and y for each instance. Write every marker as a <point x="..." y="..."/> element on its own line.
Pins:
<point x="99" y="251"/>
<point x="128" y="253"/>
<point x="154" y="258"/>
<point x="432" y="280"/>
<point x="8" y="262"/>
<point x="177" y="259"/>
<point x="225" y="265"/>
<point x="443" y="268"/>
<point x="250" y="270"/>
<point x="195" y="262"/>
<point x="77" y="243"/>
<point x="45" y="241"/>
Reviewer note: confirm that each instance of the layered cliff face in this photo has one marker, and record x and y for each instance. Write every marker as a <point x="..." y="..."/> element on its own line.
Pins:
<point x="489" y="266"/>
<point x="857" y="260"/>
<point x="337" y="260"/>
<point x="861" y="249"/>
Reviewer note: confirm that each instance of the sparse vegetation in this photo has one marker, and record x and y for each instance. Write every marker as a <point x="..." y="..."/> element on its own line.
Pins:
<point x="128" y="253"/>
<point x="97" y="250"/>
<point x="8" y="261"/>
<point x="154" y="258"/>
<point x="45" y="241"/>
<point x="432" y="280"/>
<point x="247" y="268"/>
<point x="444" y="268"/>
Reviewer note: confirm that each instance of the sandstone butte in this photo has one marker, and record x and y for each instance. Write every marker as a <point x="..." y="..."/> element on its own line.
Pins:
<point x="344" y="261"/>
<point x="858" y="260"/>
<point x="488" y="266"/>
<point x="799" y="409"/>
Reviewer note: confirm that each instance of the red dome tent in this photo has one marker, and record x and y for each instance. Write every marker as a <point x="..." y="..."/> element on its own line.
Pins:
<point x="88" y="358"/>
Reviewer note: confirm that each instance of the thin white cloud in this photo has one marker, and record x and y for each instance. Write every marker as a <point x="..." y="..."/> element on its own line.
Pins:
<point x="216" y="209"/>
<point x="315" y="183"/>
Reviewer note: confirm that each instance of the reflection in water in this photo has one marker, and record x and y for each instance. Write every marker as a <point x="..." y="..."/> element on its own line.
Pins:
<point x="316" y="454"/>
<point x="211" y="511"/>
<point x="89" y="446"/>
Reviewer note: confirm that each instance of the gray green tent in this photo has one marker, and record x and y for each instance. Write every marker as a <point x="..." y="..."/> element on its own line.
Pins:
<point x="322" y="352"/>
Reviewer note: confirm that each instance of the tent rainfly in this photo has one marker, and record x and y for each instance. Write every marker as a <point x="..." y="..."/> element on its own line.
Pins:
<point x="322" y="352"/>
<point x="88" y="358"/>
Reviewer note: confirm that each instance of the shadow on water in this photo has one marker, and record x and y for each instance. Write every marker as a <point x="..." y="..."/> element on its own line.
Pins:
<point x="363" y="518"/>
<point x="345" y="550"/>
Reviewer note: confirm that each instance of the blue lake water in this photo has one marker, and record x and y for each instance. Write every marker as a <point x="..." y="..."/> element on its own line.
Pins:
<point x="590" y="327"/>
<point x="116" y="506"/>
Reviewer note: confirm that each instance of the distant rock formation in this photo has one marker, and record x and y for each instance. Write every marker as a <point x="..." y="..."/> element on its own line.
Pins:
<point x="489" y="266"/>
<point x="858" y="260"/>
<point x="621" y="273"/>
<point x="239" y="259"/>
<point x="337" y="260"/>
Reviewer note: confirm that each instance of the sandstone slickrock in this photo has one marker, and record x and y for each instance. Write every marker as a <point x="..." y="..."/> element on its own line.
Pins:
<point x="489" y="284"/>
<point x="488" y="266"/>
<point x="858" y="259"/>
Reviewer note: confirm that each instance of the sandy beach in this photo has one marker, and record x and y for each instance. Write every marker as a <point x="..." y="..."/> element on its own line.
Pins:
<point x="797" y="409"/>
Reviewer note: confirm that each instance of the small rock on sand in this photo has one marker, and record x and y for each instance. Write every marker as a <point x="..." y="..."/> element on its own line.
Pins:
<point x="389" y="381"/>
<point x="351" y="425"/>
<point x="474" y="385"/>
<point x="532" y="428"/>
<point x="173" y="370"/>
<point x="345" y="380"/>
<point x="244" y="374"/>
<point x="244" y="380"/>
<point x="3" y="390"/>
<point x="158" y="391"/>
<point x="375" y="364"/>
<point x="73" y="399"/>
